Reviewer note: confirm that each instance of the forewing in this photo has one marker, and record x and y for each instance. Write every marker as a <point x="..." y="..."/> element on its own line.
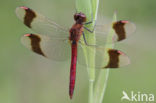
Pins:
<point x="39" y="23"/>
<point x="55" y="49"/>
<point x="104" y="58"/>
<point x="122" y="29"/>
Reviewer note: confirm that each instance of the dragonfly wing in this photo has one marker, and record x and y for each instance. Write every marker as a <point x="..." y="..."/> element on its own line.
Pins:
<point x="55" y="49"/>
<point x="104" y="58"/>
<point x="122" y="29"/>
<point x="39" y="23"/>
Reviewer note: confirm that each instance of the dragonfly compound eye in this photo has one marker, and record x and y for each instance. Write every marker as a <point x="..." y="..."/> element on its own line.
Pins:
<point x="80" y="17"/>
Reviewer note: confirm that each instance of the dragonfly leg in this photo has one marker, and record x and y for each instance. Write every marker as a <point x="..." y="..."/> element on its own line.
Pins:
<point x="86" y="41"/>
<point x="84" y="38"/>
<point x="91" y="31"/>
<point x="87" y="23"/>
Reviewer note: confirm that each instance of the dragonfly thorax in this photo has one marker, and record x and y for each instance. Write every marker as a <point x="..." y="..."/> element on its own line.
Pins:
<point x="76" y="32"/>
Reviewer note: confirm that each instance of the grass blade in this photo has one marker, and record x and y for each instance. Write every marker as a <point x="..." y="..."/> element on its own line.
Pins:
<point x="90" y="8"/>
<point x="101" y="82"/>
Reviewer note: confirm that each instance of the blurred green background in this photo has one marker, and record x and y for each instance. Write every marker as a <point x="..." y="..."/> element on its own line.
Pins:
<point x="28" y="78"/>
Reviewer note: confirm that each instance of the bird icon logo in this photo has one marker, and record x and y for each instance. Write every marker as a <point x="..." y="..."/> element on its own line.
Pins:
<point x="125" y="96"/>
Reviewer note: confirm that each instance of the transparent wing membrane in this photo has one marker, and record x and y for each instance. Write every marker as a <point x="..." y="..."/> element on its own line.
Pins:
<point x="104" y="58"/>
<point x="55" y="49"/>
<point x="39" y="23"/>
<point x="122" y="29"/>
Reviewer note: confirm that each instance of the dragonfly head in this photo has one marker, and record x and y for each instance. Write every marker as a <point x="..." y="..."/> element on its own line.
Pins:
<point x="80" y="17"/>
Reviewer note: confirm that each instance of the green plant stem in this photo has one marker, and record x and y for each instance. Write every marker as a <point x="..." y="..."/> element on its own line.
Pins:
<point x="90" y="8"/>
<point x="101" y="82"/>
<point x="90" y="97"/>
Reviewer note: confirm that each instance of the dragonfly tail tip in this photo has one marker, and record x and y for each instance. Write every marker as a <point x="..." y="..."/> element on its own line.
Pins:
<point x="71" y="96"/>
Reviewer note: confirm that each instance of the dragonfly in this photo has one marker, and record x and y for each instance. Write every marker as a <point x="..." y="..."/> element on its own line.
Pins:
<point x="60" y="44"/>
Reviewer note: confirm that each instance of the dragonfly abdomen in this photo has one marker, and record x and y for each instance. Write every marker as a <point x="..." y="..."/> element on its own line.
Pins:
<point x="73" y="68"/>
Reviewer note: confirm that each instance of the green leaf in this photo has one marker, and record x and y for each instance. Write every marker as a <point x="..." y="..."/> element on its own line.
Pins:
<point x="101" y="82"/>
<point x="90" y="8"/>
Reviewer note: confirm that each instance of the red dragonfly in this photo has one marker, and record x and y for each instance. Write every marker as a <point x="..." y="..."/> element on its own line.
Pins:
<point x="53" y="42"/>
